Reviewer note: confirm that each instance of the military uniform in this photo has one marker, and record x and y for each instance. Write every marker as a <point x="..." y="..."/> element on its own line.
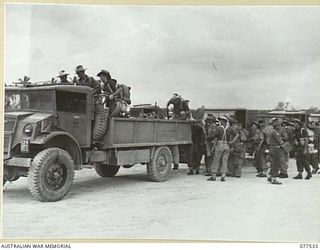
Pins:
<point x="209" y="132"/>
<point x="110" y="88"/>
<point x="85" y="80"/>
<point x="277" y="153"/>
<point x="317" y="149"/>
<point x="259" y="155"/>
<point x="234" y="161"/>
<point x="222" y="135"/>
<point x="287" y="147"/>
<point x="90" y="82"/>
<point x="198" y="147"/>
<point x="300" y="148"/>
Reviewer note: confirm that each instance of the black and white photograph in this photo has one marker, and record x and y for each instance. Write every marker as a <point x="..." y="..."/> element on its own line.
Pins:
<point x="161" y="122"/>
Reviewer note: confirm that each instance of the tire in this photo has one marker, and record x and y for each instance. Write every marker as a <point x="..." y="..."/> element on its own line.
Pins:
<point x="159" y="169"/>
<point x="105" y="170"/>
<point x="51" y="174"/>
<point x="100" y="122"/>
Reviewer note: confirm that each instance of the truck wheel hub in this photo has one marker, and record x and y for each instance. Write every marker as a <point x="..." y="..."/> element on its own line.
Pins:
<point x="162" y="162"/>
<point x="55" y="177"/>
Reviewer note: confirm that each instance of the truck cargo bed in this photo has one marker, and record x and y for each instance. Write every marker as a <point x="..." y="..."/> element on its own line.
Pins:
<point x="139" y="132"/>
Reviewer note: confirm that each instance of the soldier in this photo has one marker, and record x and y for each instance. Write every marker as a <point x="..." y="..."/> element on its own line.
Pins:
<point x="115" y="94"/>
<point x="180" y="107"/>
<point x="284" y="134"/>
<point x="277" y="153"/>
<point x="258" y="151"/>
<point x="63" y="75"/>
<point x="313" y="146"/>
<point x="209" y="131"/>
<point x="85" y="80"/>
<point x="317" y="145"/>
<point x="234" y="161"/>
<point x="198" y="146"/>
<point x="222" y="137"/>
<point x="300" y="147"/>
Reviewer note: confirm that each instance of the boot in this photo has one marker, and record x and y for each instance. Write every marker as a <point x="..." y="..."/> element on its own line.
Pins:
<point x="197" y="172"/>
<point x="298" y="177"/>
<point x="212" y="178"/>
<point x="314" y="171"/>
<point x="190" y="172"/>
<point x="283" y="175"/>
<point x="276" y="182"/>
<point x="309" y="176"/>
<point x="223" y="179"/>
<point x="261" y="174"/>
<point x="269" y="179"/>
<point x="175" y="166"/>
<point x="207" y="174"/>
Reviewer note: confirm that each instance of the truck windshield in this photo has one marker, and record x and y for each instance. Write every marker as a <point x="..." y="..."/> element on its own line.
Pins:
<point x="29" y="100"/>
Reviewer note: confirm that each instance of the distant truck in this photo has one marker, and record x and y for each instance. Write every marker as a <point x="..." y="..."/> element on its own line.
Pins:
<point x="51" y="131"/>
<point x="244" y="116"/>
<point x="305" y="117"/>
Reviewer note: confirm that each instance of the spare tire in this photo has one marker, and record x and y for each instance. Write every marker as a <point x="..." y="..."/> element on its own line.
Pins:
<point x="100" y="121"/>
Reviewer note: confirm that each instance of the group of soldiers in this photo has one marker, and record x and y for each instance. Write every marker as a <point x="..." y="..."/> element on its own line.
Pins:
<point x="278" y="140"/>
<point x="114" y="95"/>
<point x="224" y="143"/>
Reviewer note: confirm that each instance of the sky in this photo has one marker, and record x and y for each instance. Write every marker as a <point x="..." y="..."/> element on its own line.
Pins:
<point x="217" y="57"/>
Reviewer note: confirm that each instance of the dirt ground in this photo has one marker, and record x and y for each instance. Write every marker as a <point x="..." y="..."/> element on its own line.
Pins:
<point x="129" y="206"/>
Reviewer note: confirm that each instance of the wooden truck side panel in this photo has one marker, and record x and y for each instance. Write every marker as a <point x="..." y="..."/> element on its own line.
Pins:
<point x="136" y="132"/>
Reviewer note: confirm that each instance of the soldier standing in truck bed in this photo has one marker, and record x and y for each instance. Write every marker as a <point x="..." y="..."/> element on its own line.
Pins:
<point x="85" y="80"/>
<point x="116" y="94"/>
<point x="63" y="75"/>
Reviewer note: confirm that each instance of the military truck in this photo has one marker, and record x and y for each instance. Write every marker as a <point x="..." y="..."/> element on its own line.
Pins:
<point x="51" y="131"/>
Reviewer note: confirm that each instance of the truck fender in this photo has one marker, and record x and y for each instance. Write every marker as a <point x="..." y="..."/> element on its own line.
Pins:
<point x="64" y="141"/>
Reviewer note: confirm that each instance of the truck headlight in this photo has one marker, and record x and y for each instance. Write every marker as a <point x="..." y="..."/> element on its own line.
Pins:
<point x="28" y="129"/>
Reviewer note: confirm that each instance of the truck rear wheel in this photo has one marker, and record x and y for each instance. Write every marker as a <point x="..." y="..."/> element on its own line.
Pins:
<point x="159" y="169"/>
<point x="51" y="174"/>
<point x="105" y="170"/>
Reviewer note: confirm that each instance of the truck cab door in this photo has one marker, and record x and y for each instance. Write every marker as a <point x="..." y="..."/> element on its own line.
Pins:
<point x="74" y="116"/>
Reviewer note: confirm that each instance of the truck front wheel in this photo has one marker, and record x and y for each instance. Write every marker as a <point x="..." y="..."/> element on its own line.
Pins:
<point x="105" y="170"/>
<point x="159" y="169"/>
<point x="51" y="174"/>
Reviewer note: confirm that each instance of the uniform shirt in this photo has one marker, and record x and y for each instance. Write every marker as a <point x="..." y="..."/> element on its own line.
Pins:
<point x="284" y="133"/>
<point x="299" y="134"/>
<point x="267" y="132"/>
<point x="210" y="131"/>
<point x="229" y="133"/>
<point x="109" y="88"/>
<point x="197" y="133"/>
<point x="316" y="137"/>
<point x="275" y="138"/>
<point x="258" y="137"/>
<point x="90" y="82"/>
